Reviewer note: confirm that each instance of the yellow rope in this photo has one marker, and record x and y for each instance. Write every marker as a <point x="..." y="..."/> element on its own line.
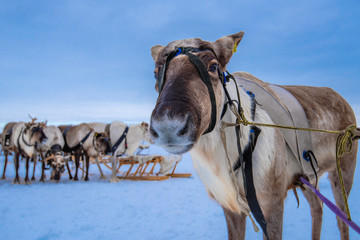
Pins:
<point x="344" y="142"/>
<point x="344" y="145"/>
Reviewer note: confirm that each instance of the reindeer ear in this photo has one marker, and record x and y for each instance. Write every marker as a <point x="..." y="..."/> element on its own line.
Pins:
<point x="226" y="46"/>
<point x="144" y="125"/>
<point x="155" y="51"/>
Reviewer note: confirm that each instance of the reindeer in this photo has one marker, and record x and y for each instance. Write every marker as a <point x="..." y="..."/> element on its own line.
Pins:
<point x="51" y="153"/>
<point x="125" y="140"/>
<point x="187" y="117"/>
<point x="103" y="132"/>
<point x="6" y="146"/>
<point x="23" y="139"/>
<point x="82" y="141"/>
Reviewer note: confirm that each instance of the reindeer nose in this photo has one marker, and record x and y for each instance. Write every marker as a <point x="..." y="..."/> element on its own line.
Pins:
<point x="171" y="131"/>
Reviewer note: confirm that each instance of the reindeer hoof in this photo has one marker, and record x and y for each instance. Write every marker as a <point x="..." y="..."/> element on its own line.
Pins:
<point x="27" y="181"/>
<point x="86" y="179"/>
<point x="16" y="181"/>
<point x="76" y="179"/>
<point x="3" y="178"/>
<point x="114" y="180"/>
<point x="33" y="179"/>
<point x="103" y="177"/>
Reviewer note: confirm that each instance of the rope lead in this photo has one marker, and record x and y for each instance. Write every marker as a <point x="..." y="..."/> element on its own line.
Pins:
<point x="344" y="145"/>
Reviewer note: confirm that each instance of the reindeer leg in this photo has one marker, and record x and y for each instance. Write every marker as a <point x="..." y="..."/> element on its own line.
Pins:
<point x="348" y="163"/>
<point x="77" y="163"/>
<point x="34" y="162"/>
<point x="102" y="176"/>
<point x="27" y="163"/>
<point x="114" y="162"/>
<point x="6" y="153"/>
<point x="274" y="218"/>
<point x="43" y="177"/>
<point x="236" y="225"/>
<point x="68" y="168"/>
<point x="16" y="164"/>
<point x="87" y="160"/>
<point x="316" y="208"/>
<point x="83" y="165"/>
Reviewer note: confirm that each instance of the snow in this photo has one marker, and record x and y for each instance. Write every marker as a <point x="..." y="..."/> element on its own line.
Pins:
<point x="169" y="209"/>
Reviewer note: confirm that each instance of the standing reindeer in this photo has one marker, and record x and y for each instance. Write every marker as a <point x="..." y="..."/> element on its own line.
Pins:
<point x="23" y="139"/>
<point x="188" y="115"/>
<point x="82" y="141"/>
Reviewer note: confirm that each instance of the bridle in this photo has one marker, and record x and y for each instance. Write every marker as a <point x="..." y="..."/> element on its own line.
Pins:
<point x="200" y="66"/>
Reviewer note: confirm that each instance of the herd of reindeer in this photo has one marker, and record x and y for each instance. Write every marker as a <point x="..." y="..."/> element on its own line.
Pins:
<point x="55" y="146"/>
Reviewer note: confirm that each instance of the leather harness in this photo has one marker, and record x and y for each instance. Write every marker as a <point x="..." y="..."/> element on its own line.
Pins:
<point x="120" y="140"/>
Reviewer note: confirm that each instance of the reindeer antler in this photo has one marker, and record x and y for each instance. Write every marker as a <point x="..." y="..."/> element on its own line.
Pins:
<point x="32" y="120"/>
<point x="43" y="124"/>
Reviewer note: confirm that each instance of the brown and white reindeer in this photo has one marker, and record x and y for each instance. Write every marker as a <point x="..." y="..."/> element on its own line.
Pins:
<point x="125" y="140"/>
<point x="82" y="141"/>
<point x="5" y="143"/>
<point x="23" y="140"/>
<point x="185" y="118"/>
<point x="51" y="153"/>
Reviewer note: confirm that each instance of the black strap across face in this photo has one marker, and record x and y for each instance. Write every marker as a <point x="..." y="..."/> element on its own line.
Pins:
<point x="200" y="66"/>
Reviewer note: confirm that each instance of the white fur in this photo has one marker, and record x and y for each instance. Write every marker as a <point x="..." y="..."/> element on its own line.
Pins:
<point x="210" y="161"/>
<point x="135" y="135"/>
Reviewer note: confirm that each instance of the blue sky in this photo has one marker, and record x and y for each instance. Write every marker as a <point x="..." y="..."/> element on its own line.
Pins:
<point x="73" y="61"/>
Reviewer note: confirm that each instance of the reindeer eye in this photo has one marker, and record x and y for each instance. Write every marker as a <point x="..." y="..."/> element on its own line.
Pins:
<point x="156" y="73"/>
<point x="213" y="67"/>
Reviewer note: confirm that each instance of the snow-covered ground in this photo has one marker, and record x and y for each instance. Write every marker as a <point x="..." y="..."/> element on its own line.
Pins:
<point x="170" y="209"/>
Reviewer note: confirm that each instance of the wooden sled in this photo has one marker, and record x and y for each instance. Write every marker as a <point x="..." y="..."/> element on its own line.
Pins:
<point x="178" y="175"/>
<point x="137" y="171"/>
<point x="140" y="172"/>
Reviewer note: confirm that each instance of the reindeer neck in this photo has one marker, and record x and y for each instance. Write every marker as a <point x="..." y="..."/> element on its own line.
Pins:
<point x="134" y="138"/>
<point x="24" y="143"/>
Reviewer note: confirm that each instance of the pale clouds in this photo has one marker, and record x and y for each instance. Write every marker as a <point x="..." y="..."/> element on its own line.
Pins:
<point x="96" y="111"/>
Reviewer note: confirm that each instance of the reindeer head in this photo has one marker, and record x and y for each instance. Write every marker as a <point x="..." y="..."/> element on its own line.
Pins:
<point x="189" y="79"/>
<point x="57" y="163"/>
<point x="102" y="142"/>
<point x="35" y="131"/>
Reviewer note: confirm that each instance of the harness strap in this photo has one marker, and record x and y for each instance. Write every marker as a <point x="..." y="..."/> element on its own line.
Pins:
<point x="56" y="148"/>
<point x="249" y="181"/>
<point x="206" y="79"/>
<point x="8" y="134"/>
<point x="23" y="139"/>
<point x="80" y="144"/>
<point x="119" y="141"/>
<point x="66" y="147"/>
<point x="18" y="141"/>
<point x="245" y="162"/>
